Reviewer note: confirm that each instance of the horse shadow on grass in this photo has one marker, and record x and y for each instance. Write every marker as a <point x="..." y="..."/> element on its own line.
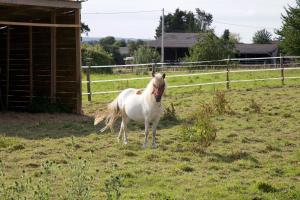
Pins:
<point x="164" y="123"/>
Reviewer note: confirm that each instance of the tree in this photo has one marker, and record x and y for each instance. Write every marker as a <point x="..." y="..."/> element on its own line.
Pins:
<point x="204" y="19"/>
<point x="290" y="31"/>
<point x="98" y="55"/>
<point x="84" y="28"/>
<point x="262" y="37"/>
<point x="186" y="22"/>
<point x="134" y="45"/>
<point x="210" y="47"/>
<point x="145" y="55"/>
<point x="120" y="43"/>
<point x="108" y="43"/>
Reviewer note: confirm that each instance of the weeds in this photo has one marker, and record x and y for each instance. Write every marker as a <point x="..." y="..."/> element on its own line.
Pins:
<point x="254" y="106"/>
<point x="112" y="188"/>
<point x="265" y="187"/>
<point x="79" y="183"/>
<point x="220" y="104"/>
<point x="202" y="131"/>
<point x="170" y="113"/>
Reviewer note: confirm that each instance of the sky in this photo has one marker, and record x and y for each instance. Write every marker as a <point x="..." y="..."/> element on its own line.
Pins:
<point x="120" y="18"/>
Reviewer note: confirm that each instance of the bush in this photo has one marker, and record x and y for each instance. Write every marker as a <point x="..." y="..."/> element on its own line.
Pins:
<point x="202" y="131"/>
<point x="170" y="113"/>
<point x="98" y="57"/>
<point x="145" y="55"/>
<point x="255" y="106"/>
<point x="220" y="103"/>
<point x="112" y="187"/>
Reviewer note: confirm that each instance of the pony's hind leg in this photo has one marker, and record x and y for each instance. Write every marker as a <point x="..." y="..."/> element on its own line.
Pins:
<point x="125" y="121"/>
<point x="120" y="132"/>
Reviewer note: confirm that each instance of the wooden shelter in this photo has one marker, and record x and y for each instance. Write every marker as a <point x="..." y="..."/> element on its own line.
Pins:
<point x="40" y="57"/>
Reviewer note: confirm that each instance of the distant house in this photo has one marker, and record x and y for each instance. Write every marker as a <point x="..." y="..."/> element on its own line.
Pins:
<point x="177" y="44"/>
<point x="256" y="50"/>
<point x="124" y="51"/>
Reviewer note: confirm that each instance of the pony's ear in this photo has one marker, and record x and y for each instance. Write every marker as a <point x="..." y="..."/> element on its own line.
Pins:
<point x="164" y="76"/>
<point x="153" y="74"/>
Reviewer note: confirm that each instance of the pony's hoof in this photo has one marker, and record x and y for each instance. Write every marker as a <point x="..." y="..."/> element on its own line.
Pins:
<point x="125" y="142"/>
<point x="118" y="139"/>
<point x="154" y="146"/>
<point x="144" y="146"/>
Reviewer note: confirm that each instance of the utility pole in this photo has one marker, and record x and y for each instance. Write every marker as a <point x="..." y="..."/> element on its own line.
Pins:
<point x="162" y="37"/>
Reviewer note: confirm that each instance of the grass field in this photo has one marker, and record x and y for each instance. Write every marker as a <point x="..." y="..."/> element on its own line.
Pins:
<point x="256" y="155"/>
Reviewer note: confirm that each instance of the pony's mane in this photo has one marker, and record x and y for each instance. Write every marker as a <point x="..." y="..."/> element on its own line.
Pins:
<point x="149" y="87"/>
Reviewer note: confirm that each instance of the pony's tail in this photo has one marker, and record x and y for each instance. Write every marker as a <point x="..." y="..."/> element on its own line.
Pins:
<point x="110" y="116"/>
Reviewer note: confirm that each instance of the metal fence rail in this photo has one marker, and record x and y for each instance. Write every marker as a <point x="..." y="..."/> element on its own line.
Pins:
<point x="282" y="68"/>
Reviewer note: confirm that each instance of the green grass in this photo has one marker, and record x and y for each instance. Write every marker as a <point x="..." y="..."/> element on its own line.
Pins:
<point x="255" y="155"/>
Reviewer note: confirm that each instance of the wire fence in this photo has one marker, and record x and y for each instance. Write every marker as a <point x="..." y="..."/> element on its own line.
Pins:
<point x="226" y="67"/>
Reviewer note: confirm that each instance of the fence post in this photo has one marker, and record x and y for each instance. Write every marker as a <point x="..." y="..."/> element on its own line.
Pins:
<point x="88" y="79"/>
<point x="153" y="66"/>
<point x="282" y="69"/>
<point x="227" y="74"/>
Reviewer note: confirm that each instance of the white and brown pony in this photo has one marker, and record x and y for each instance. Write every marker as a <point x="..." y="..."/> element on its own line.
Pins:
<point x="140" y="106"/>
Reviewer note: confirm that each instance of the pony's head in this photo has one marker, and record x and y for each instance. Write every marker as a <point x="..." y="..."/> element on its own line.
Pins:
<point x="159" y="85"/>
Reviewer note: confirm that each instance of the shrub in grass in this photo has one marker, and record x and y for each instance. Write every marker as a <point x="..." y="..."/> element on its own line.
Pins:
<point x="254" y="106"/>
<point x="112" y="188"/>
<point x="170" y="113"/>
<point x="221" y="105"/>
<point x="6" y="142"/>
<point x="186" y="168"/>
<point x="199" y="128"/>
<point x="265" y="187"/>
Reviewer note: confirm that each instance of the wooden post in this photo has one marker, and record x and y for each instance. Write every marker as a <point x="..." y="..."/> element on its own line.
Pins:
<point x="227" y="74"/>
<point x="78" y="62"/>
<point x="282" y="69"/>
<point x="153" y="66"/>
<point x="30" y="64"/>
<point x="88" y="79"/>
<point x="53" y="59"/>
<point x="7" y="64"/>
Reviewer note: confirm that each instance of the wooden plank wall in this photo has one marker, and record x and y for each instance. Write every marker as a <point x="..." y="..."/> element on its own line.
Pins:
<point x="66" y="67"/>
<point x="41" y="51"/>
<point x="66" y="87"/>
<point x="3" y="79"/>
<point x="19" y="73"/>
<point x="31" y="74"/>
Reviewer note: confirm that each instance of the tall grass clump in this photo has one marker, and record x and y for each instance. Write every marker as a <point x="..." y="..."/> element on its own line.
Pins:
<point x="199" y="128"/>
<point x="220" y="103"/>
<point x="112" y="187"/>
<point x="170" y="113"/>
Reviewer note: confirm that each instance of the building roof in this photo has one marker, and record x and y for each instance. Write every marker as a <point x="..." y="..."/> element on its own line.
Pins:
<point x="257" y="48"/>
<point x="176" y="40"/>
<point x="187" y="40"/>
<point x="44" y="3"/>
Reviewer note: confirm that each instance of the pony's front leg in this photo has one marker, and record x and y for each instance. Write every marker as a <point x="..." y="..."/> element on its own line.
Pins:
<point x="154" y="126"/>
<point x="146" y="132"/>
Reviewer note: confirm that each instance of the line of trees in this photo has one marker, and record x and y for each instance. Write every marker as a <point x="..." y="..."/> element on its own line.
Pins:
<point x="208" y="47"/>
